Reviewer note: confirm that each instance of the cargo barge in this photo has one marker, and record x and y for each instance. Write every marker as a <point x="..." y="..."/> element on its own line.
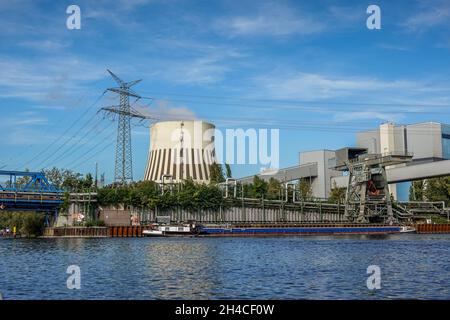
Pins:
<point x="284" y="230"/>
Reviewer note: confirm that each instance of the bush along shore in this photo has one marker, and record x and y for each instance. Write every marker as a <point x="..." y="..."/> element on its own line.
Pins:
<point x="25" y="224"/>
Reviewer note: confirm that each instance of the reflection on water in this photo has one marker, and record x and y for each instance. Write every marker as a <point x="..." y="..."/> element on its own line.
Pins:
<point x="324" y="267"/>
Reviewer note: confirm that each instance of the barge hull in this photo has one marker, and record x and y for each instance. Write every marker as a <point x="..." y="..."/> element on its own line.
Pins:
<point x="218" y="232"/>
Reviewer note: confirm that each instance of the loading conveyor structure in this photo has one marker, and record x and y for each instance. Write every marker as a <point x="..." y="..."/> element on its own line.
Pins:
<point x="367" y="196"/>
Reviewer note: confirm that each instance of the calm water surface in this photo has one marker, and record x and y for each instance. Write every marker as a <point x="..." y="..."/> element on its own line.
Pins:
<point x="412" y="266"/>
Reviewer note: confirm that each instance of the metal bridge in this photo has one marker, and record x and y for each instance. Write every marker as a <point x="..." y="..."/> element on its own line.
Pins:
<point x="28" y="191"/>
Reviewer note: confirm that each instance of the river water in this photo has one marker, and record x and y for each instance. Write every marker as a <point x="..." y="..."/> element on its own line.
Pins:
<point x="314" y="267"/>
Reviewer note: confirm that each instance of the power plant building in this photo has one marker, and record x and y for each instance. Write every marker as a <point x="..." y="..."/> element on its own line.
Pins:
<point x="426" y="141"/>
<point x="180" y="150"/>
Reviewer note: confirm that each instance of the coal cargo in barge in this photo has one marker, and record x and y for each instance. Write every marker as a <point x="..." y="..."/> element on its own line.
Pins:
<point x="302" y="229"/>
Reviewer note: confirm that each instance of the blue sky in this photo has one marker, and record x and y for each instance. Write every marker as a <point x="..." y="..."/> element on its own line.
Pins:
<point x="309" y="68"/>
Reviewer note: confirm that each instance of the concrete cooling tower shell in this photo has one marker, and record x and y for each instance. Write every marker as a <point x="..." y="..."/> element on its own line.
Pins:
<point x="181" y="150"/>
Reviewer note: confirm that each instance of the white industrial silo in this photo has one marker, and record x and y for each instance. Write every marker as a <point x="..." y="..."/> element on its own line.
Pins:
<point x="180" y="150"/>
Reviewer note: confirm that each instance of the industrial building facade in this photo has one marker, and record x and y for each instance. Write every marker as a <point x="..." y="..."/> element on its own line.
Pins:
<point x="426" y="141"/>
<point x="180" y="150"/>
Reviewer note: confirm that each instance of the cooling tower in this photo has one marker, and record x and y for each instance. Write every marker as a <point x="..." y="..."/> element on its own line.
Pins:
<point x="180" y="150"/>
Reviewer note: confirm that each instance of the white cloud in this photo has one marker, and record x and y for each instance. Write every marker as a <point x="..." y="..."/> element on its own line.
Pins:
<point x="31" y="121"/>
<point x="207" y="67"/>
<point x="46" y="79"/>
<point x="394" y="47"/>
<point x="163" y="110"/>
<point x="429" y="14"/>
<point x="205" y="70"/>
<point x="347" y="14"/>
<point x="272" y="20"/>
<point x="118" y="13"/>
<point x="45" y="45"/>
<point x="355" y="116"/>
<point x="311" y="86"/>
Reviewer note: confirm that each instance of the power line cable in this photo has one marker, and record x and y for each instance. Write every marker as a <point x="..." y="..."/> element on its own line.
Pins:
<point x="106" y="140"/>
<point x="61" y="120"/>
<point x="76" y="146"/>
<point x="222" y="98"/>
<point x="67" y="141"/>
<point x="308" y="108"/>
<point x="65" y="132"/>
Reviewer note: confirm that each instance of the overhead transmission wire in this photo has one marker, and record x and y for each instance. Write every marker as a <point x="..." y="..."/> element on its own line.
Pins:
<point x="322" y="126"/>
<point x="66" y="142"/>
<point x="305" y="108"/>
<point x="222" y="98"/>
<point x="309" y="108"/>
<point x="82" y="159"/>
<point x="328" y="126"/>
<point x="105" y="143"/>
<point x="77" y="145"/>
<point x="325" y="126"/>
<point x="44" y="151"/>
<point x="60" y="120"/>
<point x="74" y="147"/>
<point x="94" y="155"/>
<point x="103" y="137"/>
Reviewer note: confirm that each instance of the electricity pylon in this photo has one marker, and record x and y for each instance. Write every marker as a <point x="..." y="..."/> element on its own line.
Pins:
<point x="124" y="158"/>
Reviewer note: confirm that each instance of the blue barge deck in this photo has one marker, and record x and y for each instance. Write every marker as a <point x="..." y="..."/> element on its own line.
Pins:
<point x="300" y="230"/>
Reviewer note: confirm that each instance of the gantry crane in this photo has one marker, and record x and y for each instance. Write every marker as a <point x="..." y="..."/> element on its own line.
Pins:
<point x="368" y="193"/>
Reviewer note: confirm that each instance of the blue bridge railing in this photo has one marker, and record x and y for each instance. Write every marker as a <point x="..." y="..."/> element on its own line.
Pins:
<point x="24" y="191"/>
<point x="22" y="181"/>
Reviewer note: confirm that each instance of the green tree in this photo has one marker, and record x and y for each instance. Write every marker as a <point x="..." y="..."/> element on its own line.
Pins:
<point x="87" y="182"/>
<point x="22" y="181"/>
<point x="228" y="170"/>
<point x="416" y="191"/>
<point x="68" y="179"/>
<point x="29" y="224"/>
<point x="274" y="189"/>
<point x="436" y="189"/>
<point x="305" y="190"/>
<point x="259" y="187"/>
<point x="216" y="173"/>
<point x="337" y="195"/>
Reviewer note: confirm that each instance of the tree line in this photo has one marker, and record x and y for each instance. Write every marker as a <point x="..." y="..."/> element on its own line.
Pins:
<point x="195" y="195"/>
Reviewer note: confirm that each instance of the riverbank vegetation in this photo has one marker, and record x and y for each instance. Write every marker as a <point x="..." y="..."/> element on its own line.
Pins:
<point x="193" y="196"/>
<point x="187" y="195"/>
<point x="28" y="224"/>
<point x="436" y="189"/>
<point x="337" y="194"/>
